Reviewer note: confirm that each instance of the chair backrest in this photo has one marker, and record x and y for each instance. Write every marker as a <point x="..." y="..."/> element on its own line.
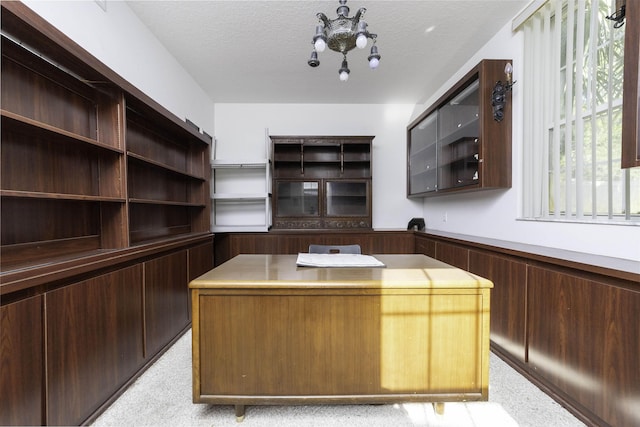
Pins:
<point x="334" y="249"/>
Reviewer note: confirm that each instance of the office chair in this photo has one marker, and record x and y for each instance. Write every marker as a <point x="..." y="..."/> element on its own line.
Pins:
<point x="334" y="249"/>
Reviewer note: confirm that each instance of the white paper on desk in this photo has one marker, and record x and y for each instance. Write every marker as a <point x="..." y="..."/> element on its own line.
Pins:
<point x="337" y="260"/>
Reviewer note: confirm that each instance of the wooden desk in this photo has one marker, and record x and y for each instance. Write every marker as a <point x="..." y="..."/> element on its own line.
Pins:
<point x="266" y="332"/>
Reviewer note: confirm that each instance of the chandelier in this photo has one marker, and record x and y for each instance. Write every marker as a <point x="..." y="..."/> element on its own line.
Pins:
<point x="342" y="35"/>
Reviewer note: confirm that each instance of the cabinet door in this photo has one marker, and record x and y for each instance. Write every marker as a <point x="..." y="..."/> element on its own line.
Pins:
<point x="422" y="156"/>
<point x="21" y="350"/>
<point x="458" y="148"/>
<point x="166" y="294"/>
<point x="347" y="198"/>
<point x="297" y="198"/>
<point x="94" y="342"/>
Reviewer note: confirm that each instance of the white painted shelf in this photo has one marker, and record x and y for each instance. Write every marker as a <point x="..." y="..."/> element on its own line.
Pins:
<point x="240" y="194"/>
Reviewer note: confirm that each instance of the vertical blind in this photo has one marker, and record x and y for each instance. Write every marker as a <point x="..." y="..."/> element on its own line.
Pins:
<point x="573" y="67"/>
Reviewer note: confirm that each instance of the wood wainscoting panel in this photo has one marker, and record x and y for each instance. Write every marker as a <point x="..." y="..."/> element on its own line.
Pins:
<point x="94" y="342"/>
<point x="21" y="361"/>
<point x="165" y="300"/>
<point x="200" y="260"/>
<point x="290" y="242"/>
<point x="581" y="340"/>
<point x="455" y="255"/>
<point x="508" y="299"/>
<point x="425" y="246"/>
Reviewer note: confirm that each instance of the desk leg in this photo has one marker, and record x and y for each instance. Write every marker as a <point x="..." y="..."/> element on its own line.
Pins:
<point x="240" y="409"/>
<point x="438" y="408"/>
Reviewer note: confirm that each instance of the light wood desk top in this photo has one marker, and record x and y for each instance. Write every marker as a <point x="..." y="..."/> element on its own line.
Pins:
<point x="280" y="271"/>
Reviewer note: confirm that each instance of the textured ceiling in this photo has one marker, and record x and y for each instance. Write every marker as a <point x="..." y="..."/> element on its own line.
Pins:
<point x="256" y="51"/>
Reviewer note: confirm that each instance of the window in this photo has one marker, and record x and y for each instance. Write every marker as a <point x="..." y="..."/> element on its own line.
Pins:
<point x="573" y="87"/>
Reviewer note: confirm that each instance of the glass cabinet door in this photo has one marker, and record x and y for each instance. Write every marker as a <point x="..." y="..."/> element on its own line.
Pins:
<point x="458" y="127"/>
<point x="347" y="198"/>
<point x="297" y="198"/>
<point x="422" y="156"/>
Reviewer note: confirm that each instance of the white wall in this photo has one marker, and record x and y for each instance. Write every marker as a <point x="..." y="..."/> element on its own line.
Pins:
<point x="240" y="134"/>
<point x="118" y="39"/>
<point x="495" y="215"/>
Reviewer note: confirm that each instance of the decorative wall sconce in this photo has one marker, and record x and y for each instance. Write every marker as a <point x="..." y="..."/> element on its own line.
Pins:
<point x="619" y="14"/>
<point x="499" y="93"/>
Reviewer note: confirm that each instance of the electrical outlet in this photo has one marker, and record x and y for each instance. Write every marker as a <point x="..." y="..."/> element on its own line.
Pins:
<point x="444" y="217"/>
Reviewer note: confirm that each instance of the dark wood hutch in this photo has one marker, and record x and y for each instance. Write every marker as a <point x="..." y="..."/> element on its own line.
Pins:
<point x="321" y="182"/>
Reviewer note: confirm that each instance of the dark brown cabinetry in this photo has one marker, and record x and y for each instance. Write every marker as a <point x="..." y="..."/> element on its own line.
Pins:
<point x="168" y="176"/>
<point x="21" y="358"/>
<point x="90" y="325"/>
<point x="105" y="220"/>
<point x="75" y="181"/>
<point x="570" y="327"/>
<point x="322" y="182"/>
<point x="456" y="145"/>
<point x="508" y="300"/>
<point x="61" y="186"/>
<point x="166" y="305"/>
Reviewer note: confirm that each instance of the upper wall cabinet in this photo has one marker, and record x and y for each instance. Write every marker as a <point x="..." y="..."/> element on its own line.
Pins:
<point x="631" y="98"/>
<point x="457" y="145"/>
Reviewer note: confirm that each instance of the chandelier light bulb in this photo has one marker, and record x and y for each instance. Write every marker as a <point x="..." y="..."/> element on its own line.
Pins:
<point x="374" y="58"/>
<point x="361" y="35"/>
<point x="361" y="41"/>
<point x="320" y="45"/>
<point x="344" y="70"/>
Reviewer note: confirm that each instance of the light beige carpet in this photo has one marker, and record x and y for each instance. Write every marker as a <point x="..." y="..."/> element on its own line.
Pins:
<point x="162" y="397"/>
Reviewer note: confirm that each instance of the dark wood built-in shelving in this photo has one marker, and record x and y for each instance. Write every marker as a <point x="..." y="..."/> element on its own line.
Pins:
<point x="105" y="216"/>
